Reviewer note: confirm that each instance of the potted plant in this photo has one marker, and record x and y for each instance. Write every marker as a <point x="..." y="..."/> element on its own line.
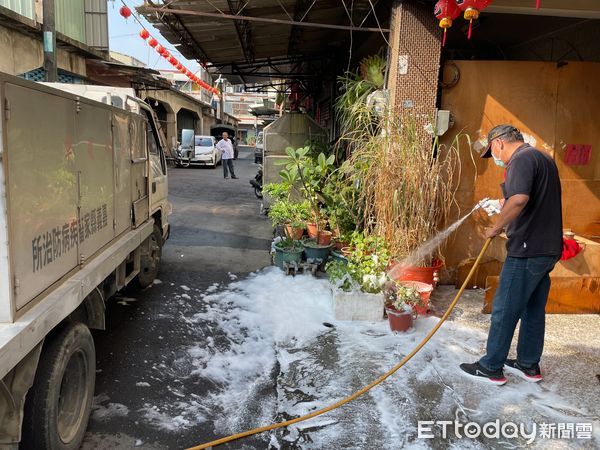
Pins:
<point x="408" y="182"/>
<point x="285" y="212"/>
<point x="358" y="279"/>
<point x="400" y="302"/>
<point x="316" y="252"/>
<point x="291" y="215"/>
<point x="307" y="175"/>
<point x="287" y="251"/>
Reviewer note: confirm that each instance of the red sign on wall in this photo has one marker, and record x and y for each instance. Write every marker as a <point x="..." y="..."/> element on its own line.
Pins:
<point x="578" y="155"/>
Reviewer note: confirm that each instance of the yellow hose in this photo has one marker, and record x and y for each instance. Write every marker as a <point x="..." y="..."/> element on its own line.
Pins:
<point x="366" y="388"/>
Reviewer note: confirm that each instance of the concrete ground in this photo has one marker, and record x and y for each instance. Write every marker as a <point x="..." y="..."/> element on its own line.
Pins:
<point x="571" y="356"/>
<point x="217" y="233"/>
<point x="147" y="391"/>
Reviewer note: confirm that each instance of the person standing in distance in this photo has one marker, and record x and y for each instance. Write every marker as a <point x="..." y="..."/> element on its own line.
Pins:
<point x="532" y="216"/>
<point x="226" y="148"/>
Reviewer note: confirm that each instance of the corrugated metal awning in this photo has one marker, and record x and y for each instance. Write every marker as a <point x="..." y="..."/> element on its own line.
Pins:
<point x="261" y="39"/>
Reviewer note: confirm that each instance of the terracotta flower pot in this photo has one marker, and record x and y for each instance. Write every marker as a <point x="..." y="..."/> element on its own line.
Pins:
<point x="400" y="321"/>
<point x="346" y="251"/>
<point x="324" y="237"/>
<point x="425" y="291"/>
<point x="294" y="232"/>
<point x="312" y="230"/>
<point x="340" y="245"/>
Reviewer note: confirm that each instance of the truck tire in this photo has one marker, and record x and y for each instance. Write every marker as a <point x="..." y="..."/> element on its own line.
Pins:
<point x="57" y="407"/>
<point x="150" y="259"/>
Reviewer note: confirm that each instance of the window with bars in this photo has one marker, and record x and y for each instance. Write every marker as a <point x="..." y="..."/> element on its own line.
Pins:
<point x="63" y="77"/>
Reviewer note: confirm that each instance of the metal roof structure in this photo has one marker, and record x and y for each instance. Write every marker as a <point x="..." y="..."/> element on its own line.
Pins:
<point x="252" y="41"/>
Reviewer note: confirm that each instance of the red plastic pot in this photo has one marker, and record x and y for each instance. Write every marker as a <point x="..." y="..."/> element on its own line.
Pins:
<point x="400" y="321"/>
<point x="426" y="275"/>
<point x="425" y="291"/>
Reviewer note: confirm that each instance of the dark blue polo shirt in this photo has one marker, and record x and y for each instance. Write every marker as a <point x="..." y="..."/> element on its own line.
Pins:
<point x="537" y="231"/>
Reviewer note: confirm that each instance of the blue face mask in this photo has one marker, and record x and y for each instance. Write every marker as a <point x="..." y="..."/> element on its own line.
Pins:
<point x="499" y="162"/>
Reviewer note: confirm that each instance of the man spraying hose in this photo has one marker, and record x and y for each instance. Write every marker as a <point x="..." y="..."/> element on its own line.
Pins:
<point x="531" y="214"/>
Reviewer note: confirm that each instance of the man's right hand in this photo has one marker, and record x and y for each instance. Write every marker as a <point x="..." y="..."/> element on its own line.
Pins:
<point x="491" y="206"/>
<point x="492" y="232"/>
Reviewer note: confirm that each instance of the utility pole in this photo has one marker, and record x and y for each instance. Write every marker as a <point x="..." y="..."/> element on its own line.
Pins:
<point x="50" y="70"/>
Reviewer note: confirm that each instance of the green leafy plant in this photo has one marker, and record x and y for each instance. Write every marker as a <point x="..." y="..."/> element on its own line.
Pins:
<point x="308" y="176"/>
<point x="366" y="267"/>
<point x="354" y="112"/>
<point x="341" y="203"/>
<point x="289" y="244"/>
<point x="288" y="212"/>
<point x="277" y="191"/>
<point x="402" y="297"/>
<point x="339" y="275"/>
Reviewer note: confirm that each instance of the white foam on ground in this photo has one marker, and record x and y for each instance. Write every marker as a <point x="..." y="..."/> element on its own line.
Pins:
<point x="279" y="361"/>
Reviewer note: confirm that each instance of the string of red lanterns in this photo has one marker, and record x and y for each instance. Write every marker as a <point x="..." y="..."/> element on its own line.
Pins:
<point x="446" y="11"/>
<point x="152" y="42"/>
<point x="472" y="9"/>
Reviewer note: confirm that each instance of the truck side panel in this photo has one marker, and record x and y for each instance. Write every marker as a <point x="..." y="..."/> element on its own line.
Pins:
<point x="76" y="167"/>
<point x="42" y="189"/>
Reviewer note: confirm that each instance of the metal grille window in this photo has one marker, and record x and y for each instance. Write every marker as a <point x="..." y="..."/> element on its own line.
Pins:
<point x="63" y="77"/>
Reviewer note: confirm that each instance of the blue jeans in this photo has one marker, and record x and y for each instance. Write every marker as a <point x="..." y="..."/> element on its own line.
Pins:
<point x="522" y="294"/>
<point x="227" y="163"/>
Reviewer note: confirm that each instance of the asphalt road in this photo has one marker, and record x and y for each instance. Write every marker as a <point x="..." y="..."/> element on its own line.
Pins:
<point x="217" y="234"/>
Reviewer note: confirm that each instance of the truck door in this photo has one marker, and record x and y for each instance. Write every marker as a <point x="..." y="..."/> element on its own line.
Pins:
<point x="139" y="170"/>
<point x="122" y="156"/>
<point x="93" y="152"/>
<point x="158" y="166"/>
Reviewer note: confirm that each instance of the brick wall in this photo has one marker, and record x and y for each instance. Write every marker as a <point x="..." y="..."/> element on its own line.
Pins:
<point x="415" y="42"/>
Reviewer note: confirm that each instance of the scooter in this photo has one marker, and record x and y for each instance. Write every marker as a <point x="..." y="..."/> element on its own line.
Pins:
<point x="257" y="182"/>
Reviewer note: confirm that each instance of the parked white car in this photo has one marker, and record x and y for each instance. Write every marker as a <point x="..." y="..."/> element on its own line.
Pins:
<point x="204" y="152"/>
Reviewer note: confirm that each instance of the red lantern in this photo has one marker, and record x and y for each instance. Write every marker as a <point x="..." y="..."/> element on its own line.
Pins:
<point x="152" y="42"/>
<point x="172" y="60"/>
<point x="181" y="69"/>
<point x="472" y="8"/>
<point x="179" y="66"/>
<point x="446" y="11"/>
<point x="144" y="34"/>
<point x="125" y="12"/>
<point x="165" y="54"/>
<point x="159" y="49"/>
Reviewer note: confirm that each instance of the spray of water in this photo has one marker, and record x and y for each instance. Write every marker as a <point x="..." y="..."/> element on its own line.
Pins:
<point x="428" y="247"/>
